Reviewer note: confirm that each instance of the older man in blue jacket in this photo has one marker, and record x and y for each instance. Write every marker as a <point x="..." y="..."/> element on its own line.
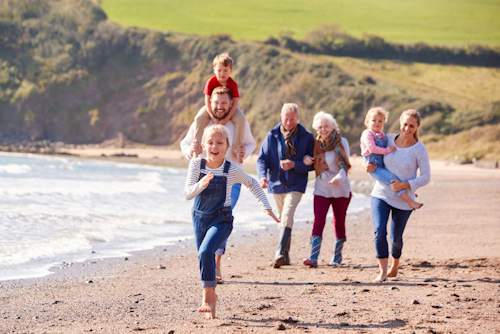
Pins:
<point x="281" y="169"/>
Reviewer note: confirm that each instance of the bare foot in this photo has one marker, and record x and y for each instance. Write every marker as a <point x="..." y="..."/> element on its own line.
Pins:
<point x="205" y="308"/>
<point x="208" y="309"/>
<point x="415" y="205"/>
<point x="393" y="272"/>
<point x="380" y="278"/>
<point x="208" y="305"/>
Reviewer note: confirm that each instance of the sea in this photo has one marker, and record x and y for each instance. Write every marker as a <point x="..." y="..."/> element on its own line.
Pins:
<point x="59" y="210"/>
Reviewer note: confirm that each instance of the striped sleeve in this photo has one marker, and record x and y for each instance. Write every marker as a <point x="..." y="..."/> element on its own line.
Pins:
<point x="192" y="187"/>
<point x="238" y="175"/>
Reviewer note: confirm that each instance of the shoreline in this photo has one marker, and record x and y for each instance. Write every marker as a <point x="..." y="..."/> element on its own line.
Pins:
<point x="450" y="267"/>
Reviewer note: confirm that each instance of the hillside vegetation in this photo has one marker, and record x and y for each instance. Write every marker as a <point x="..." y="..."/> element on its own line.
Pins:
<point x="448" y="22"/>
<point x="67" y="73"/>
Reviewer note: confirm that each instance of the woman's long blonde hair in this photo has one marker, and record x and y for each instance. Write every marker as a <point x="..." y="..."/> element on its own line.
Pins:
<point x="415" y="114"/>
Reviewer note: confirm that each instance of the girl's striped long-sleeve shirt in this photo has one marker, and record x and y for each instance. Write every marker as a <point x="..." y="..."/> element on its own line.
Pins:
<point x="235" y="175"/>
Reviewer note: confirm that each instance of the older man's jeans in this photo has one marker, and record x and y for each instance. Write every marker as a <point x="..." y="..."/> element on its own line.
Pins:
<point x="380" y="215"/>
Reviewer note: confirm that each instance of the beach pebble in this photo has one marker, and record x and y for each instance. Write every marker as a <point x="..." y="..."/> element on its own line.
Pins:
<point x="280" y="327"/>
<point x="161" y="267"/>
<point x="89" y="282"/>
<point x="171" y="332"/>
<point x="126" y="259"/>
<point x="416" y="302"/>
<point x="393" y="288"/>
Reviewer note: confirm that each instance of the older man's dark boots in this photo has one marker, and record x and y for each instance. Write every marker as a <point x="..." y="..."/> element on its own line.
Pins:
<point x="282" y="256"/>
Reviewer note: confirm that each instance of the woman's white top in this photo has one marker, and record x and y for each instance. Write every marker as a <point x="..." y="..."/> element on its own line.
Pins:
<point x="235" y="175"/>
<point x="321" y="186"/>
<point x="404" y="163"/>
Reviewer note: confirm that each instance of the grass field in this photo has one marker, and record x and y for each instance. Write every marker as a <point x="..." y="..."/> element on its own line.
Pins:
<point x="450" y="22"/>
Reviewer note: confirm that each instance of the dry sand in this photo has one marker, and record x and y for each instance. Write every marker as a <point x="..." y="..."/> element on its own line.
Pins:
<point x="449" y="281"/>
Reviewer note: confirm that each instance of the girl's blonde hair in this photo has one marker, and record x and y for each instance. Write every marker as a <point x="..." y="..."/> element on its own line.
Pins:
<point x="327" y="117"/>
<point x="415" y="114"/>
<point x="376" y="111"/>
<point x="215" y="128"/>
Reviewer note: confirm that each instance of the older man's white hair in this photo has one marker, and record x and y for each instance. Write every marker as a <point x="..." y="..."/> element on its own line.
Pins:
<point x="290" y="107"/>
<point x="324" y="116"/>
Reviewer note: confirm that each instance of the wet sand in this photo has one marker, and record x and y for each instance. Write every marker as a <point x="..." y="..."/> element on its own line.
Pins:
<point x="449" y="279"/>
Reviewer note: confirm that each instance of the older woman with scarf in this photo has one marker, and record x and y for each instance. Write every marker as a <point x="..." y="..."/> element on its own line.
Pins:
<point x="281" y="169"/>
<point x="332" y="187"/>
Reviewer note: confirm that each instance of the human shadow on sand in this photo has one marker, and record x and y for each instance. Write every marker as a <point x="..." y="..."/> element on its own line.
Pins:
<point x="349" y="283"/>
<point x="295" y="324"/>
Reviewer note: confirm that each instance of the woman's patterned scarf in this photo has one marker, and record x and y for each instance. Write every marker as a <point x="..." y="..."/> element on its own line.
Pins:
<point x="332" y="143"/>
<point x="288" y="135"/>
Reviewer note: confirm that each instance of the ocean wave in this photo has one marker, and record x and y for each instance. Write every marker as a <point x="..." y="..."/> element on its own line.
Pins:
<point x="154" y="177"/>
<point x="80" y="188"/>
<point x="14" y="169"/>
<point x="27" y="250"/>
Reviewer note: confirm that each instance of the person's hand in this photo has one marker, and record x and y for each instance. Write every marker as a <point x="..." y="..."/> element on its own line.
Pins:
<point x="287" y="164"/>
<point x="263" y="183"/>
<point x="308" y="161"/>
<point x="270" y="213"/>
<point x="195" y="149"/>
<point x="213" y="119"/>
<point x="240" y="153"/>
<point x="397" y="185"/>
<point x="334" y="182"/>
<point x="370" y="168"/>
<point x="392" y="148"/>
<point x="206" y="179"/>
<point x="223" y="121"/>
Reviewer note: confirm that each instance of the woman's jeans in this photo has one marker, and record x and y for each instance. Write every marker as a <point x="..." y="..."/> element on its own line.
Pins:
<point x="210" y="231"/>
<point x="380" y="215"/>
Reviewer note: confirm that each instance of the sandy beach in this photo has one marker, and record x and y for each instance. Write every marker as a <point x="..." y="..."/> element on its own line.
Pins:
<point x="449" y="281"/>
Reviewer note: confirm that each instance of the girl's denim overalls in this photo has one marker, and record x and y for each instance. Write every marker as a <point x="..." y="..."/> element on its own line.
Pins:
<point x="381" y="174"/>
<point x="212" y="223"/>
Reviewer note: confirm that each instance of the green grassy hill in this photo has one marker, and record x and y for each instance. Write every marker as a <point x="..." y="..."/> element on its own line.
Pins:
<point x="67" y="73"/>
<point x="448" y="22"/>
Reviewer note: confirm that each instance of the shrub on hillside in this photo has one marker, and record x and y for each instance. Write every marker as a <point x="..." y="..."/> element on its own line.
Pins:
<point x="330" y="39"/>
